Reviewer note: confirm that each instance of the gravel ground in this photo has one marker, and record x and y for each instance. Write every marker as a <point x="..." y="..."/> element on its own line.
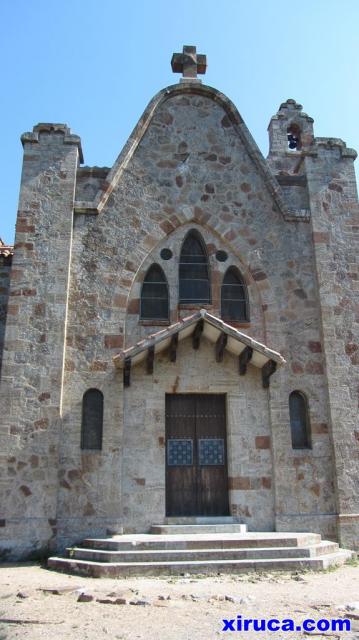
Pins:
<point x="37" y="603"/>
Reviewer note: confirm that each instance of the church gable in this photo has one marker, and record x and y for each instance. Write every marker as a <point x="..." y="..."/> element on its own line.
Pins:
<point x="190" y="131"/>
<point x="190" y="163"/>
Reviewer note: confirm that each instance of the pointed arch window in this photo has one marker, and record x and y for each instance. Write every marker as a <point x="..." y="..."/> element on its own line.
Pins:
<point x="234" y="297"/>
<point x="299" y="421"/>
<point x="194" y="283"/>
<point x="92" y="419"/>
<point x="154" y="295"/>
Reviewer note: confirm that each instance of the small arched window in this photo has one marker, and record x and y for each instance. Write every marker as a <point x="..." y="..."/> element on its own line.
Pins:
<point x="154" y="295"/>
<point x="92" y="419"/>
<point x="299" y="421"/>
<point x="194" y="285"/>
<point x="234" y="297"/>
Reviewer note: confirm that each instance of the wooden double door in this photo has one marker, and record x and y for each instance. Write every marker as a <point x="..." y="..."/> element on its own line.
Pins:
<point x="196" y="455"/>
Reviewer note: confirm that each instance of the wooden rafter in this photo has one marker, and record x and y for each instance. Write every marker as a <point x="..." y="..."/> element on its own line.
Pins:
<point x="173" y="347"/>
<point x="196" y="335"/>
<point x="150" y="359"/>
<point x="244" y="359"/>
<point x="267" y="370"/>
<point x="220" y="346"/>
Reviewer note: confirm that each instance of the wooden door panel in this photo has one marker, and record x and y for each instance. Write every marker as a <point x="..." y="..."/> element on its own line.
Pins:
<point x="181" y="481"/>
<point x="196" y="459"/>
<point x="212" y="478"/>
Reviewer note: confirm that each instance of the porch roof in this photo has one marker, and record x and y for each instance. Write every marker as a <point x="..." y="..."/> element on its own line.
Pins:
<point x="201" y="323"/>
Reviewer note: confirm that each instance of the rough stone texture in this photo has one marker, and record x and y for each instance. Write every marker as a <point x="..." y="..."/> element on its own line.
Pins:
<point x="144" y="432"/>
<point x="335" y="213"/>
<point x="74" y="303"/>
<point x="89" y="180"/>
<point x="6" y="253"/>
<point x="34" y="339"/>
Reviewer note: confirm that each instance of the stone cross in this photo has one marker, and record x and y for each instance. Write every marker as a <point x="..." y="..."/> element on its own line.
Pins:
<point x="189" y="63"/>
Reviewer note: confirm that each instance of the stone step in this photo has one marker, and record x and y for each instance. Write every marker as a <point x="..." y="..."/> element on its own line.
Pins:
<point x="175" y="529"/>
<point x="145" y="541"/>
<point x="203" y="520"/>
<point x="115" y="569"/>
<point x="203" y="555"/>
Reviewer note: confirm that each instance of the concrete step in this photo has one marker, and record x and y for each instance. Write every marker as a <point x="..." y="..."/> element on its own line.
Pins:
<point x="145" y="541"/>
<point x="177" y="529"/>
<point x="203" y="555"/>
<point x="115" y="569"/>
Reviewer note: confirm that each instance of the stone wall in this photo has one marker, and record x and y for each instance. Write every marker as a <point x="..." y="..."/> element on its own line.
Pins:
<point x="335" y="228"/>
<point x="206" y="176"/>
<point x="190" y="163"/>
<point x="89" y="180"/>
<point x="34" y="341"/>
<point x="5" y="270"/>
<point x="248" y="435"/>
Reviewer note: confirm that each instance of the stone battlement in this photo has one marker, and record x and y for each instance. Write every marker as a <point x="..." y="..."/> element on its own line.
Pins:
<point x="50" y="129"/>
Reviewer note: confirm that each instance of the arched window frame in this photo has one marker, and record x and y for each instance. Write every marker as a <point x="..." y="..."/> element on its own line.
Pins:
<point x="300" y="435"/>
<point x="195" y="300"/>
<point x="92" y="427"/>
<point x="159" y="316"/>
<point x="243" y="317"/>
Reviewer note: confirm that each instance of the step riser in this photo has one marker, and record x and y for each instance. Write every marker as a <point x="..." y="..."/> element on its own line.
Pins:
<point x="239" y="543"/>
<point x="204" y="556"/>
<point x="104" y="570"/>
<point x="197" y="528"/>
<point x="201" y="520"/>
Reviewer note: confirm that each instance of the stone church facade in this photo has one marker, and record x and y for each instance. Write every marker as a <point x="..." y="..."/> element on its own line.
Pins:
<point x="182" y="329"/>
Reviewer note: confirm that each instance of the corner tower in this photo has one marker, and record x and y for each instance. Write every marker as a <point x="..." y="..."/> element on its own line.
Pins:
<point x="31" y="388"/>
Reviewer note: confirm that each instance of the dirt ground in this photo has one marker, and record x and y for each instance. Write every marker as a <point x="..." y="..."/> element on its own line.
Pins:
<point x="37" y="603"/>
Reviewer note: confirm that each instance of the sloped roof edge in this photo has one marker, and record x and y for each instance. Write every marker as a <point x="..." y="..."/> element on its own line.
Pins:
<point x="137" y="352"/>
<point x="139" y="131"/>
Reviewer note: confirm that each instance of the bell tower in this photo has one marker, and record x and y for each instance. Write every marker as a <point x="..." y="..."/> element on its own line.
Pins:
<point x="290" y="133"/>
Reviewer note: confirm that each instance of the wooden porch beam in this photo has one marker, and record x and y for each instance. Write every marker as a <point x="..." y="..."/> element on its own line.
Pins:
<point x="173" y="347"/>
<point x="127" y="372"/>
<point x="267" y="370"/>
<point x="220" y="346"/>
<point x="244" y="359"/>
<point x="150" y="359"/>
<point x="196" y="335"/>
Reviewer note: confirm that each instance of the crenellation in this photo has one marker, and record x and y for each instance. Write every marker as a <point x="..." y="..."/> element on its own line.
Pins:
<point x="50" y="133"/>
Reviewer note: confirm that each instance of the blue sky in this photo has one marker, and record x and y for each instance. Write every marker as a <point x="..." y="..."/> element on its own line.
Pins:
<point x="96" y="64"/>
